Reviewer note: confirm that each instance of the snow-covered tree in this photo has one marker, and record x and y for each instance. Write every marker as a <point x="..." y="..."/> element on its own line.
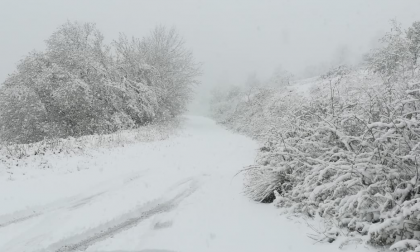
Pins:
<point x="413" y="36"/>
<point x="81" y="86"/>
<point x="164" y="50"/>
<point x="396" y="60"/>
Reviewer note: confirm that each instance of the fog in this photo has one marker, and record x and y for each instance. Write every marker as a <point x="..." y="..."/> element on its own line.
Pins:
<point x="231" y="38"/>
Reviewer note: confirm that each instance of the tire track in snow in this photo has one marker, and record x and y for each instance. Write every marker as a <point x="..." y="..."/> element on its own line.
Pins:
<point x="70" y="203"/>
<point x="127" y="221"/>
<point x="15" y="219"/>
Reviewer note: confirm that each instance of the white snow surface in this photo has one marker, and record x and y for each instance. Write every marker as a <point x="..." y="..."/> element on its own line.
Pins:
<point x="48" y="212"/>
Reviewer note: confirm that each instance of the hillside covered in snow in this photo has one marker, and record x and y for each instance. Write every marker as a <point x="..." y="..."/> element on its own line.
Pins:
<point x="344" y="146"/>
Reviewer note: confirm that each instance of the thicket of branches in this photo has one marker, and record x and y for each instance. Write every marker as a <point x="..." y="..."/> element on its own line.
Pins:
<point x="80" y="86"/>
<point x="349" y="151"/>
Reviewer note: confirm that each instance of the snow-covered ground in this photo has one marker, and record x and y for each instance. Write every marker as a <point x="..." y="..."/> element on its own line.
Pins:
<point x="179" y="194"/>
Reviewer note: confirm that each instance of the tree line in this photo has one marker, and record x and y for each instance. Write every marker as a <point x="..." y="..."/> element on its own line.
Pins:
<point x="79" y="85"/>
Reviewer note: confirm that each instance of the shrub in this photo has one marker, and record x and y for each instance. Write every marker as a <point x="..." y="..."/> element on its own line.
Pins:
<point x="348" y="151"/>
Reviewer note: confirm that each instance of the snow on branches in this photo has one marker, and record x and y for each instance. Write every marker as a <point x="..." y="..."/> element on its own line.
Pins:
<point x="349" y="151"/>
<point x="80" y="86"/>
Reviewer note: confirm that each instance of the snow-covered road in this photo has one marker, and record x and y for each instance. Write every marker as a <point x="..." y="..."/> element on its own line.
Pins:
<point x="178" y="194"/>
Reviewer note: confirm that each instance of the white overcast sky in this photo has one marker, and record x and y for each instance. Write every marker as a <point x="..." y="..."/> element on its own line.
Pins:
<point x="231" y="38"/>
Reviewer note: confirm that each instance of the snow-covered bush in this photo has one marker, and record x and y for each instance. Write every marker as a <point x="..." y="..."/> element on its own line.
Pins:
<point x="80" y="86"/>
<point x="348" y="151"/>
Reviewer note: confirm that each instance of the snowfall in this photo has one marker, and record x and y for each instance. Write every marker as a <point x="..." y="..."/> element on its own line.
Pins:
<point x="180" y="194"/>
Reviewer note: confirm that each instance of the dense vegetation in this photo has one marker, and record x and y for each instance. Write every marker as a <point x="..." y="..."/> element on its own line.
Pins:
<point x="347" y="150"/>
<point x="81" y="86"/>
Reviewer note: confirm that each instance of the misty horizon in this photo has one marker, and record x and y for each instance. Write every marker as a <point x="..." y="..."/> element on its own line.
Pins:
<point x="232" y="39"/>
<point x="209" y="126"/>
